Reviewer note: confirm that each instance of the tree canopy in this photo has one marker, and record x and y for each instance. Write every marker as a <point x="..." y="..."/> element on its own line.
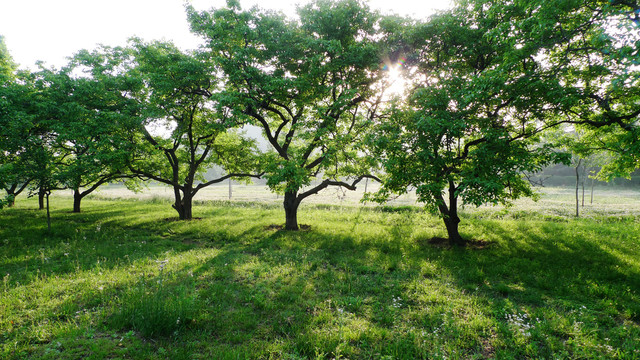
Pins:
<point x="309" y="85"/>
<point x="486" y="80"/>
<point x="181" y="95"/>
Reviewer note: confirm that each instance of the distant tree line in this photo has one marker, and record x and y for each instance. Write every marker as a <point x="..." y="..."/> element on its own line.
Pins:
<point x="495" y="90"/>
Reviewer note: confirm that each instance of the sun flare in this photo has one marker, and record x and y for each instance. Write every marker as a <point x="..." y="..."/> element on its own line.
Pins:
<point x="395" y="82"/>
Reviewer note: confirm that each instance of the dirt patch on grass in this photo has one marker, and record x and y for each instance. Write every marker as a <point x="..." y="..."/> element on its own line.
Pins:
<point x="488" y="351"/>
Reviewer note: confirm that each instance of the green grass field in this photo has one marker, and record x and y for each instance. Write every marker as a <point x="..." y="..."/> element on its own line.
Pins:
<point x="124" y="280"/>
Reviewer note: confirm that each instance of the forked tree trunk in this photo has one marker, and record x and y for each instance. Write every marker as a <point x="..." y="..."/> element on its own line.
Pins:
<point x="291" y="210"/>
<point x="183" y="203"/>
<point x="450" y="216"/>
<point x="77" y="199"/>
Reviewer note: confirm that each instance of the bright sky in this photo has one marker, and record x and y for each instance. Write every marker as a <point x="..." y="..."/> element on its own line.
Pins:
<point x="51" y="30"/>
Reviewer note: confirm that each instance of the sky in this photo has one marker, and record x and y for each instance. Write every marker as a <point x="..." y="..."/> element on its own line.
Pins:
<point x="52" y="30"/>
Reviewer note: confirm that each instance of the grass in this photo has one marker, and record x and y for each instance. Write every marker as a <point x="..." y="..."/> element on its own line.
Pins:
<point x="120" y="281"/>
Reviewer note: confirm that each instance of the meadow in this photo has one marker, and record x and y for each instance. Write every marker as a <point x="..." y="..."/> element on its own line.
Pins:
<point x="125" y="280"/>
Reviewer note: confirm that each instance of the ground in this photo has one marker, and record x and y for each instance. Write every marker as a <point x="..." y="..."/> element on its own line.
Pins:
<point x="122" y="280"/>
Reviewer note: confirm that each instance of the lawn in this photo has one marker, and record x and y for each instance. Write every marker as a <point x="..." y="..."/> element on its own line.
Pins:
<point x="124" y="280"/>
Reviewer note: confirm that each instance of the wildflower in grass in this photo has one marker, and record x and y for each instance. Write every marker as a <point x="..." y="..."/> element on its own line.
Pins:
<point x="396" y="302"/>
<point x="522" y="323"/>
<point x="162" y="263"/>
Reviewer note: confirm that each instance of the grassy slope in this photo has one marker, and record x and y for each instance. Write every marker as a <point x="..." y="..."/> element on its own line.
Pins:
<point x="360" y="284"/>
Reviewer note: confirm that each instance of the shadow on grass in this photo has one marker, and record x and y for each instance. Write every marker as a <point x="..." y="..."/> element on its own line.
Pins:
<point x="339" y="290"/>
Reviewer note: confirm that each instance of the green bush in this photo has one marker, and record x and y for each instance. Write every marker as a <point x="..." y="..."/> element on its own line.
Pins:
<point x="6" y="201"/>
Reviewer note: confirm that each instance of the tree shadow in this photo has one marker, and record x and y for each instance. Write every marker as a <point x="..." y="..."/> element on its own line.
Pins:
<point x="338" y="290"/>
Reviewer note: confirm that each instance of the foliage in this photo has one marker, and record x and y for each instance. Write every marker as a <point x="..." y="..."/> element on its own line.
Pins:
<point x="6" y="201"/>
<point x="470" y="124"/>
<point x="180" y="96"/>
<point x="592" y="49"/>
<point x="86" y="105"/>
<point x="308" y="84"/>
<point x="25" y="139"/>
<point x="7" y="66"/>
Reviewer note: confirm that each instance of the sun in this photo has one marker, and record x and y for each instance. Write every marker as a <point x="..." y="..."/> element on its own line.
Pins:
<point x="395" y="82"/>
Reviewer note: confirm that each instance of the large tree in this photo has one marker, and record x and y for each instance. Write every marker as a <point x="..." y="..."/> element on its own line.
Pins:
<point x="466" y="133"/>
<point x="182" y="133"/>
<point x="308" y="83"/>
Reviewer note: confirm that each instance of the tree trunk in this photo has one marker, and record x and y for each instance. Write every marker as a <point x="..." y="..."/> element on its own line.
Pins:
<point x="48" y="212"/>
<point x="230" y="189"/>
<point x="584" y="178"/>
<point x="451" y="223"/>
<point x="592" y="191"/>
<point x="291" y="210"/>
<point x="187" y="207"/>
<point x="41" y="195"/>
<point x="452" y="220"/>
<point x="77" y="199"/>
<point x="450" y="216"/>
<point x="183" y="203"/>
<point x="578" y="188"/>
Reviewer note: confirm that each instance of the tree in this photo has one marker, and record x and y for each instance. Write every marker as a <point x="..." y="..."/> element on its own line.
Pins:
<point x="7" y="66"/>
<point x="26" y="155"/>
<point x="309" y="84"/>
<point x="19" y="127"/>
<point x="17" y="124"/>
<point x="88" y="108"/>
<point x="467" y="131"/>
<point x="180" y="95"/>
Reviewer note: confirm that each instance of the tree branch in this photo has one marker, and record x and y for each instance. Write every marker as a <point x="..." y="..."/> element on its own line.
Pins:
<point x="223" y="178"/>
